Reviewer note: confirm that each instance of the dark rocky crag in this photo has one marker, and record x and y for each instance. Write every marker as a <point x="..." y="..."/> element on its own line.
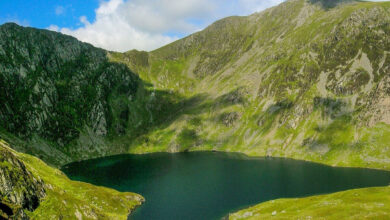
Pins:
<point x="19" y="189"/>
<point x="54" y="87"/>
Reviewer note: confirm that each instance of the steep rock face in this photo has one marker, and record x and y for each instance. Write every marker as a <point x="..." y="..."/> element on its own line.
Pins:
<point x="55" y="88"/>
<point x="19" y="188"/>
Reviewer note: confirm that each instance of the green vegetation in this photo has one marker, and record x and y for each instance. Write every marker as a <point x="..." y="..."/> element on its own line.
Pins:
<point x="370" y="203"/>
<point x="298" y="84"/>
<point x="66" y="199"/>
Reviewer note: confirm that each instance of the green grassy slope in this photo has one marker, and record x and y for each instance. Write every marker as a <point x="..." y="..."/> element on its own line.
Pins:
<point x="66" y="199"/>
<point x="371" y="203"/>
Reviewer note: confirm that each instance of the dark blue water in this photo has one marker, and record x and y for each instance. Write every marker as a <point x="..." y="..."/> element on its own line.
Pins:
<point x="209" y="185"/>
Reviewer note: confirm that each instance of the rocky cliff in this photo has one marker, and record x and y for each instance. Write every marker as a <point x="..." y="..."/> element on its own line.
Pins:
<point x="19" y="188"/>
<point x="59" y="92"/>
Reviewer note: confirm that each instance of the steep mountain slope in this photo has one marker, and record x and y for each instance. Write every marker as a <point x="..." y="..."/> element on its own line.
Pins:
<point x="31" y="189"/>
<point x="53" y="86"/>
<point x="305" y="79"/>
<point x="19" y="189"/>
<point x="65" y="98"/>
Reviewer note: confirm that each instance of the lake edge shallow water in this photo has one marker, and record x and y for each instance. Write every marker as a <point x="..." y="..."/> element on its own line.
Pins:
<point x="240" y="154"/>
<point x="112" y="160"/>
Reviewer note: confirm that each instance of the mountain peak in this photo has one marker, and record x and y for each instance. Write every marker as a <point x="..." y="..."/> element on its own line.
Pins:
<point x="10" y="24"/>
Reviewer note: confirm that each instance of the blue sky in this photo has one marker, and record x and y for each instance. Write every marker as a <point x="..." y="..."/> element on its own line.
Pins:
<point x="121" y="25"/>
<point x="42" y="14"/>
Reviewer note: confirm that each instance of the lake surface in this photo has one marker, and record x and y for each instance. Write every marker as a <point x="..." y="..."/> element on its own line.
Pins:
<point x="206" y="185"/>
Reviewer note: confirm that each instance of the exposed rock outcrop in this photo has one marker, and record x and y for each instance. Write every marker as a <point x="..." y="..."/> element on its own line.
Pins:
<point x="19" y="189"/>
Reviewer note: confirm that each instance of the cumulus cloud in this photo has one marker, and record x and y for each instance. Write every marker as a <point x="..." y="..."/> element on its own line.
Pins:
<point x="121" y="25"/>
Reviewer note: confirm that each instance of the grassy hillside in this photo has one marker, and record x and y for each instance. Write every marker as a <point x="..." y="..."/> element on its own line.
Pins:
<point x="66" y="199"/>
<point x="306" y="80"/>
<point x="371" y="203"/>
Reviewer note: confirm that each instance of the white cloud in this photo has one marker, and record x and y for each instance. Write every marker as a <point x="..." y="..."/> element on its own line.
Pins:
<point x="121" y="25"/>
<point x="54" y="28"/>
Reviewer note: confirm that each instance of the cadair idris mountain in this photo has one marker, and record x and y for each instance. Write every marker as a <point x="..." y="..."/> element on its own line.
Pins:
<point x="307" y="79"/>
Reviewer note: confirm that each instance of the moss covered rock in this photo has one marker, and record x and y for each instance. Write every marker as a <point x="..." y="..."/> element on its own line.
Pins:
<point x="19" y="188"/>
